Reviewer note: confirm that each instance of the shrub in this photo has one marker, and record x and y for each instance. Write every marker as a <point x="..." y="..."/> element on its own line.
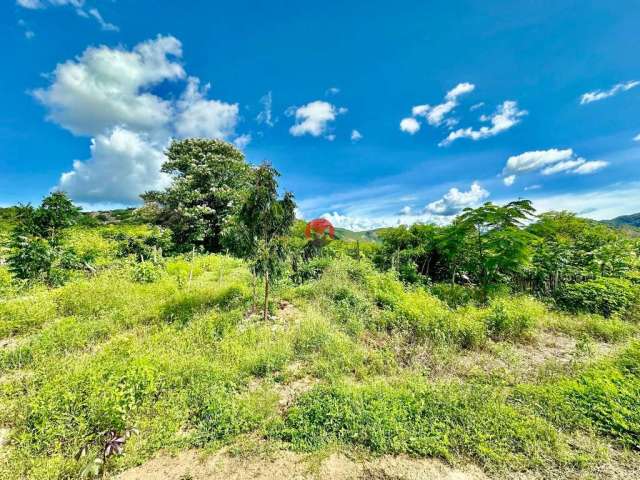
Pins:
<point x="605" y="296"/>
<point x="455" y="295"/>
<point x="145" y="272"/>
<point x="513" y="318"/>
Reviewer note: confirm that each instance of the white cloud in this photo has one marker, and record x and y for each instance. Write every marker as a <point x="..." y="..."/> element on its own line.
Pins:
<point x="123" y="165"/>
<point x="106" y="94"/>
<point x="28" y="33"/>
<point x="356" y="224"/>
<point x="460" y="89"/>
<point x="356" y="136"/>
<point x="509" y="180"/>
<point x="30" y="4"/>
<point x="637" y="138"/>
<point x="77" y="4"/>
<point x="454" y="200"/>
<point x="409" y="125"/>
<point x="437" y="115"/>
<point x="534" y="160"/>
<point x="331" y="137"/>
<point x="314" y="117"/>
<point x="597" y="95"/>
<point x="600" y="204"/>
<point x="588" y="168"/>
<point x="265" y="116"/>
<point x="506" y="116"/>
<point x="533" y="187"/>
<point x="242" y="141"/>
<point x="406" y="210"/>
<point x="551" y="162"/>
<point x="569" y="165"/>
<point x="332" y="91"/>
<point x="106" y="26"/>
<point x="199" y="117"/>
<point x="476" y="106"/>
<point x="106" y="87"/>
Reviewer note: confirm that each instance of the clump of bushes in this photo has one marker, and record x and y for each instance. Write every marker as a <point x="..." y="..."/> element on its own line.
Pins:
<point x="605" y="296"/>
<point x="456" y="295"/>
<point x="513" y="318"/>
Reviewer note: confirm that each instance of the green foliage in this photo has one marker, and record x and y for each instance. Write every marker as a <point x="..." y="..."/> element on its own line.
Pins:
<point x="415" y="418"/>
<point x="35" y="251"/>
<point x="513" y="318"/>
<point x="455" y="295"/>
<point x="257" y="232"/>
<point x="209" y="178"/>
<point x="145" y="272"/>
<point x="605" y="296"/>
<point x="605" y="399"/>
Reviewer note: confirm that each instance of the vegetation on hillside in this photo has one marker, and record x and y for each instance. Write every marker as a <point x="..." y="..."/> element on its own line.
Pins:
<point x="503" y="339"/>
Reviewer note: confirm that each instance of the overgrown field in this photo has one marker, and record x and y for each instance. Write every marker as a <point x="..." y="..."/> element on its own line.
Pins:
<point x="351" y="359"/>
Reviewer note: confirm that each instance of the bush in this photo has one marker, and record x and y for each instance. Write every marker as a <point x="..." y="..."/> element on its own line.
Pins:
<point x="604" y="296"/>
<point x="145" y="272"/>
<point x="513" y="318"/>
<point x="455" y="295"/>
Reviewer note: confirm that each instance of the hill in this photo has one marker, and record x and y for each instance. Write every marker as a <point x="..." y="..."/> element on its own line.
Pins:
<point x="632" y="220"/>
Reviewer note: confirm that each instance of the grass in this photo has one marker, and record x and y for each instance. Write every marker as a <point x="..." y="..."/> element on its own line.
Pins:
<point x="179" y="356"/>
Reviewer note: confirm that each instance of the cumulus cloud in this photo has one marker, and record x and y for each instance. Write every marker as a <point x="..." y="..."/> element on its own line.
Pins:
<point x="357" y="224"/>
<point x="509" y="180"/>
<point x="551" y="162"/>
<point x="409" y="125"/>
<point x="199" y="117"/>
<point x="506" y="116"/>
<point x="597" y="95"/>
<point x="436" y="115"/>
<point x="265" y="115"/>
<point x="314" y="117"/>
<point x="355" y="136"/>
<point x="637" y="138"/>
<point x="332" y="91"/>
<point x="122" y="165"/>
<point x="106" y="87"/>
<point x="106" y="93"/>
<point x="454" y="200"/>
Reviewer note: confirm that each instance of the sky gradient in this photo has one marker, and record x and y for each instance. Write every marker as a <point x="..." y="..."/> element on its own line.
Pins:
<point x="374" y="113"/>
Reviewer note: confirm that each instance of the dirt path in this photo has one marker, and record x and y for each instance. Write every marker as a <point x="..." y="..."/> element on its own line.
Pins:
<point x="287" y="465"/>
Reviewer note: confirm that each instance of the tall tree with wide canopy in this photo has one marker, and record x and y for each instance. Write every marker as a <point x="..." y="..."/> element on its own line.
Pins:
<point x="208" y="180"/>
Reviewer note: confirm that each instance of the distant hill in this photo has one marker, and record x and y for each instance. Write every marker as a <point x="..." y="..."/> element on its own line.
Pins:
<point x="632" y="220"/>
<point x="365" y="236"/>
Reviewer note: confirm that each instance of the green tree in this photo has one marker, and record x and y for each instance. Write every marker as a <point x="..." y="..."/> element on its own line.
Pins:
<point x="208" y="180"/>
<point x="497" y="243"/>
<point x="258" y="232"/>
<point x="35" y="239"/>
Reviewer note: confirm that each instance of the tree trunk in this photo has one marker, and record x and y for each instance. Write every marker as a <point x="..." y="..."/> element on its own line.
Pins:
<point x="266" y="295"/>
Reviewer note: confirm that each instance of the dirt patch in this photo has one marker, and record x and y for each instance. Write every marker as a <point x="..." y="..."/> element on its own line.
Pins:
<point x="513" y="362"/>
<point x="288" y="465"/>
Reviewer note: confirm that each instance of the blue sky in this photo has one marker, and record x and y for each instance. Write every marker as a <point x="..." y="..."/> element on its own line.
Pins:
<point x="352" y="101"/>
